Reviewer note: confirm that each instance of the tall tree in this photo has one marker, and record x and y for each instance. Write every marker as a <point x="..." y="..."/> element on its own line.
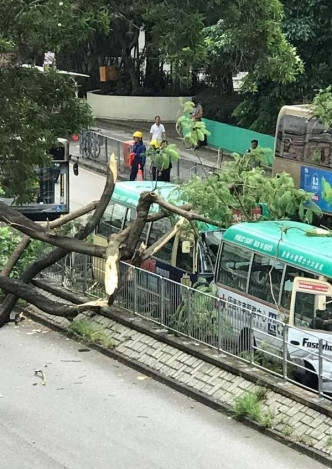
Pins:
<point x="307" y="25"/>
<point x="36" y="108"/>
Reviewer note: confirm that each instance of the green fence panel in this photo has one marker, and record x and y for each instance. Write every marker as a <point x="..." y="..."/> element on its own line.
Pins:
<point x="235" y="139"/>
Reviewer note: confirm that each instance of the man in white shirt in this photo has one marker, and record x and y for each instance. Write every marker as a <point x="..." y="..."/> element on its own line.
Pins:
<point x="157" y="131"/>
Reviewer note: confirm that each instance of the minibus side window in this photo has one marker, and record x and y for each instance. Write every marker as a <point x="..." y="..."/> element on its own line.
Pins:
<point x="158" y="229"/>
<point x="184" y="260"/>
<point x="291" y="273"/>
<point x="234" y="266"/>
<point x="266" y="273"/>
<point x="112" y="220"/>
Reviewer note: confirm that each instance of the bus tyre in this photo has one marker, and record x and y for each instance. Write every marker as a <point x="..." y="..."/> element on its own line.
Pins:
<point x="310" y="378"/>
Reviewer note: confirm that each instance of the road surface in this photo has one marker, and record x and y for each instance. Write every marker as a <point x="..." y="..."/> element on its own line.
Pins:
<point x="85" y="188"/>
<point x="94" y="413"/>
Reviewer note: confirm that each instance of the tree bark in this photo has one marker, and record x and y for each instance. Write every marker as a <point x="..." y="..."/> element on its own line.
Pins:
<point x="53" y="224"/>
<point x="32" y="295"/>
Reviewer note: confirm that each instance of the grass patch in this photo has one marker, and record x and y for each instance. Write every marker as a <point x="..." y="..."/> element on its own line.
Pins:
<point x="329" y="442"/>
<point x="250" y="405"/>
<point x="287" y="431"/>
<point x="87" y="333"/>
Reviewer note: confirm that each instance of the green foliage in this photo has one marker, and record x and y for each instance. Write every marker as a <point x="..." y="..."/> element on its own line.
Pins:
<point x="33" y="27"/>
<point x="248" y="37"/>
<point x="240" y="186"/>
<point x="36" y="108"/>
<point x="85" y="331"/>
<point x="307" y="26"/>
<point x="162" y="157"/>
<point x="322" y="107"/>
<point x="249" y="404"/>
<point x="9" y="239"/>
<point x="191" y="130"/>
<point x="197" y="314"/>
<point x="287" y="431"/>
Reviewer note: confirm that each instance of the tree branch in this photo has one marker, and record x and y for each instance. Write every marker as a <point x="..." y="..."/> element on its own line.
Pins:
<point x="18" y="251"/>
<point x="58" y="253"/>
<point x="33" y="296"/>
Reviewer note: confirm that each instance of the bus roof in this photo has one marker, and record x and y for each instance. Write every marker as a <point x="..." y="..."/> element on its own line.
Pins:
<point x="286" y="241"/>
<point x="128" y="193"/>
<point x="299" y="110"/>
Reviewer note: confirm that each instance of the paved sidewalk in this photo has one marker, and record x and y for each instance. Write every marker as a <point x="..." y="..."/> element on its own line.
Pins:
<point x="193" y="162"/>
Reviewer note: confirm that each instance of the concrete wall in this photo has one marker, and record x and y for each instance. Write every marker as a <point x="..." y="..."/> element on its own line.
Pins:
<point x="140" y="108"/>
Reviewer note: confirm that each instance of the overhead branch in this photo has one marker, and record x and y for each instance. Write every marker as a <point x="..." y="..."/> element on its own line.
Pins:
<point x="35" y="231"/>
<point x="191" y="216"/>
<point x="19" y="249"/>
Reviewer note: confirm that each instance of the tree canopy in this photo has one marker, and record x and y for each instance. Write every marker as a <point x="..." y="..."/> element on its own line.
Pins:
<point x="35" y="107"/>
<point x="218" y="37"/>
<point x="307" y="25"/>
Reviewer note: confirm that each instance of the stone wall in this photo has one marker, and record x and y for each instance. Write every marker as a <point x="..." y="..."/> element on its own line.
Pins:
<point x="134" y="108"/>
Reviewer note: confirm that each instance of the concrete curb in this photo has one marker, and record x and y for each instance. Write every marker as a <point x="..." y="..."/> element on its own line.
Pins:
<point x="194" y="394"/>
<point x="232" y="365"/>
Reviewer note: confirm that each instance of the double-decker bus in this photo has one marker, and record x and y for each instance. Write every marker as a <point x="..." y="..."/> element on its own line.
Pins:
<point x="52" y="190"/>
<point x="303" y="148"/>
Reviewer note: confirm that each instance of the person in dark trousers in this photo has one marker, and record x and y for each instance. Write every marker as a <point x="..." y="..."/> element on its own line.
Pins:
<point x="139" y="155"/>
<point x="165" y="174"/>
<point x="197" y="116"/>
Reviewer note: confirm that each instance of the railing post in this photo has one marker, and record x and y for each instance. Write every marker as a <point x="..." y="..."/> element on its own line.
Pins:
<point x="219" y="323"/>
<point x="135" y="289"/>
<point x="106" y="150"/>
<point x="162" y="297"/>
<point x="85" y="272"/>
<point x="320" y="368"/>
<point x="251" y="341"/>
<point x="190" y="316"/>
<point x="63" y="268"/>
<point x="284" y="352"/>
<point x="118" y="155"/>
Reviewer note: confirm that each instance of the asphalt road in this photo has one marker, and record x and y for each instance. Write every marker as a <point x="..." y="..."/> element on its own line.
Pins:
<point x="85" y="188"/>
<point x="96" y="413"/>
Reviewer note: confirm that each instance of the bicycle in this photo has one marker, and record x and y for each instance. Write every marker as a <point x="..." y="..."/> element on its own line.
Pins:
<point x="89" y="144"/>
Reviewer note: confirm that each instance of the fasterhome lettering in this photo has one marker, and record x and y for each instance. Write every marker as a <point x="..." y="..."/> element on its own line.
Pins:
<point x="306" y="343"/>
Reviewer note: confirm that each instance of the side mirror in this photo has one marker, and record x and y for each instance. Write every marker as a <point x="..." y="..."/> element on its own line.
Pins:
<point x="75" y="169"/>
<point x="186" y="246"/>
<point x="321" y="302"/>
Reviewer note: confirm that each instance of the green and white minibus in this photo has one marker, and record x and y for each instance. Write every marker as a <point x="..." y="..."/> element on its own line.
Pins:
<point x="281" y="270"/>
<point x="182" y="258"/>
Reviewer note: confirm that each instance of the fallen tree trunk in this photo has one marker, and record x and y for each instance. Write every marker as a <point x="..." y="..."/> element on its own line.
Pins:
<point x="32" y="295"/>
<point x="58" y="253"/>
<point x="18" y="251"/>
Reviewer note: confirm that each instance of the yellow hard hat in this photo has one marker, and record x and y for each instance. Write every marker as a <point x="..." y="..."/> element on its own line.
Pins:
<point x="155" y="143"/>
<point x="138" y="134"/>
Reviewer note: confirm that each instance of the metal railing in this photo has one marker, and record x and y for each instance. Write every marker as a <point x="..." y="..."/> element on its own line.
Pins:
<point x="97" y="146"/>
<point x="226" y="326"/>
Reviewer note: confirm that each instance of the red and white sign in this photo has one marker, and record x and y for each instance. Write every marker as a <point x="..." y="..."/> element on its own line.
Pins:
<point x="316" y="287"/>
